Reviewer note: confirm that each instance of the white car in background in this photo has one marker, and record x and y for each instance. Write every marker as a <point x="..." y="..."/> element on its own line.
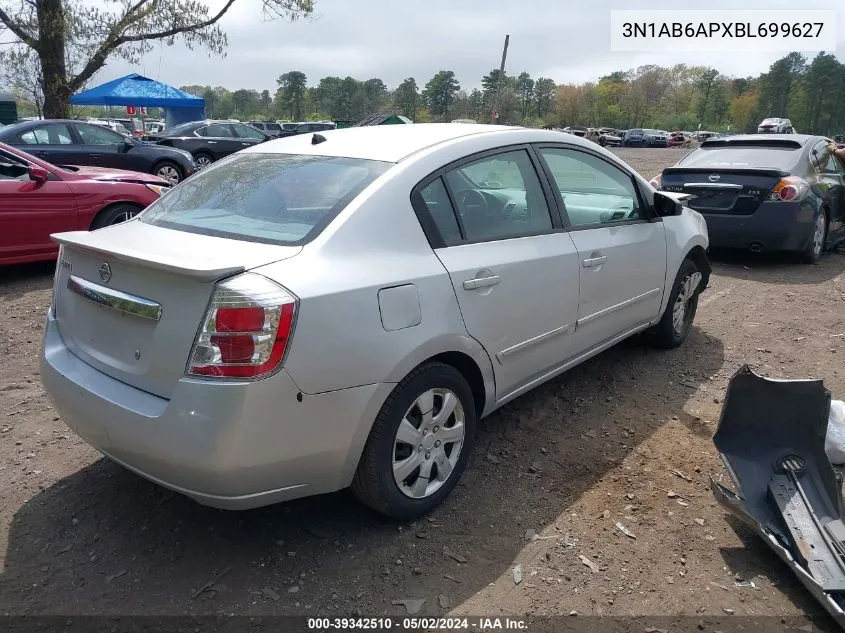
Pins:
<point x="339" y="309"/>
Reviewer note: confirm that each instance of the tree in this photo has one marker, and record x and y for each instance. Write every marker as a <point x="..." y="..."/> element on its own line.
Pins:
<point x="293" y="87"/>
<point x="440" y="92"/>
<point x="525" y="90"/>
<point x="406" y="98"/>
<point x="73" y="40"/>
<point x="376" y="92"/>
<point x="544" y="95"/>
<point x="19" y="70"/>
<point x="489" y="86"/>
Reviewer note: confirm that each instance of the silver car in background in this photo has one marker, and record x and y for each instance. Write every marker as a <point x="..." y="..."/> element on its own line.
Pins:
<point x="339" y="309"/>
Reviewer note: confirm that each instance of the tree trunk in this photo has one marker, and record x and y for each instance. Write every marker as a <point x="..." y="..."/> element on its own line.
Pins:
<point x="51" y="53"/>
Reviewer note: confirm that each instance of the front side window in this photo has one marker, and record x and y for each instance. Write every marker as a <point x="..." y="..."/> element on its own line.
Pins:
<point x="594" y="192"/>
<point x="271" y="198"/>
<point x="499" y="197"/>
<point x="53" y="134"/>
<point x="95" y="135"/>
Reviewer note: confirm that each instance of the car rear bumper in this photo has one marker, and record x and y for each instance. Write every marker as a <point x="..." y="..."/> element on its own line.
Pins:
<point x="775" y="226"/>
<point x="231" y="445"/>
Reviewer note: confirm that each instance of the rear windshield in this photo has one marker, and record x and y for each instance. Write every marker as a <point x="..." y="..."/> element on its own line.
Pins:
<point x="273" y="126"/>
<point x="735" y="154"/>
<point x="271" y="198"/>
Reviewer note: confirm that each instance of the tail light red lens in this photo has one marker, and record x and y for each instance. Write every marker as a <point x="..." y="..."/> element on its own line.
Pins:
<point x="789" y="189"/>
<point x="245" y="331"/>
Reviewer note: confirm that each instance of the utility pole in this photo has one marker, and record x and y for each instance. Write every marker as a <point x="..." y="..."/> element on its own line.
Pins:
<point x="501" y="76"/>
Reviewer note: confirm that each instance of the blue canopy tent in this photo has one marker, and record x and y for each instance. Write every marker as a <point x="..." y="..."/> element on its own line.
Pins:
<point x="137" y="90"/>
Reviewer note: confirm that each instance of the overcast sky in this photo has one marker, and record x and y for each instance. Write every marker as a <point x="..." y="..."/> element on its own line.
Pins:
<point x="567" y="40"/>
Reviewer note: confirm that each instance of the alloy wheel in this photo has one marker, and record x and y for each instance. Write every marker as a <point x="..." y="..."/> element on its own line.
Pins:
<point x="681" y="313"/>
<point x="169" y="173"/>
<point x="428" y="443"/>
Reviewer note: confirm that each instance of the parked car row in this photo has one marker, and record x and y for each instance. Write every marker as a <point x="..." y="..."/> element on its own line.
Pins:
<point x="274" y="129"/>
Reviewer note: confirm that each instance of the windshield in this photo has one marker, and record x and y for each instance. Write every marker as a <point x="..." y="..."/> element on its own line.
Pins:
<point x="272" y="198"/>
<point x="768" y="156"/>
<point x="273" y="126"/>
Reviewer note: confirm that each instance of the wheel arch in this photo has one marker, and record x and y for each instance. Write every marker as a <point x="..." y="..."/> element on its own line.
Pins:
<point x="111" y="204"/>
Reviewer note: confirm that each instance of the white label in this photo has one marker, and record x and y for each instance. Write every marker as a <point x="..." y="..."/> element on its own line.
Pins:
<point x="723" y="30"/>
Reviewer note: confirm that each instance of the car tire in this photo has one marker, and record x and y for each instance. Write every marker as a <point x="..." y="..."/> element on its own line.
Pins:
<point x="203" y="159"/>
<point x="376" y="482"/>
<point x="114" y="214"/>
<point x="169" y="170"/>
<point x="815" y="247"/>
<point x="675" y="324"/>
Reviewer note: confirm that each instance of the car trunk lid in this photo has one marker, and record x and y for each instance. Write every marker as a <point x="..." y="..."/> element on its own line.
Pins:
<point x="733" y="191"/>
<point x="129" y="298"/>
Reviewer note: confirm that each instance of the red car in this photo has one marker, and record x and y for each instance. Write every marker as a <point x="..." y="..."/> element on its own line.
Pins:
<point x="37" y="199"/>
<point x="676" y="139"/>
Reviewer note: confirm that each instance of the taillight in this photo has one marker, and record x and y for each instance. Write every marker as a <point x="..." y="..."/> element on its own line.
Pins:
<point x="245" y="331"/>
<point x="655" y="182"/>
<point x="789" y="189"/>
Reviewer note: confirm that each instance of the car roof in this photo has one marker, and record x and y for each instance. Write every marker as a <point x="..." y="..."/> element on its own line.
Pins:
<point x="389" y="143"/>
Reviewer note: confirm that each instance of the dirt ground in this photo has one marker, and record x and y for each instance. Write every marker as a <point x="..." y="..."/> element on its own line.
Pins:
<point x="607" y="442"/>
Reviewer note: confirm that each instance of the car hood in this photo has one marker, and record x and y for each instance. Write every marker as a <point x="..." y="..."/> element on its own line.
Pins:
<point x="113" y="175"/>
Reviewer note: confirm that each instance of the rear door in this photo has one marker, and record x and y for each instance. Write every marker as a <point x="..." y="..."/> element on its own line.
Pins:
<point x="832" y="173"/>
<point x="621" y="248"/>
<point x="53" y="142"/>
<point x="220" y="139"/>
<point x="30" y="212"/>
<point x="514" y="270"/>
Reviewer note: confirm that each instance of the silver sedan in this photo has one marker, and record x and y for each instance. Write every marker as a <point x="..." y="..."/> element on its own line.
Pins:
<point x="339" y="309"/>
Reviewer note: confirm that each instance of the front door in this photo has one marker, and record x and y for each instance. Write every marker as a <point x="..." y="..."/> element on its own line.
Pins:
<point x="622" y="251"/>
<point x="30" y="212"/>
<point x="513" y="269"/>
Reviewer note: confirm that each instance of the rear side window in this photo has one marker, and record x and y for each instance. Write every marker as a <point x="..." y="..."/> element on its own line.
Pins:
<point x="271" y="198"/>
<point x="55" y="134"/>
<point x="216" y="130"/>
<point x="440" y="208"/>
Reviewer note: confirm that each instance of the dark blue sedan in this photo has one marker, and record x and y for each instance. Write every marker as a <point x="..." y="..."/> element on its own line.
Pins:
<point x="761" y="192"/>
<point x="66" y="142"/>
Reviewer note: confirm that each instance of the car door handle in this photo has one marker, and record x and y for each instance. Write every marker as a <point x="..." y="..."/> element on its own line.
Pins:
<point x="594" y="261"/>
<point x="212" y="142"/>
<point x="481" y="282"/>
<point x="95" y="155"/>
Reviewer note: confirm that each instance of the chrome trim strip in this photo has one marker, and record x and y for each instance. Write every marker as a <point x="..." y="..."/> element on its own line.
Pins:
<point x="711" y="185"/>
<point x="567" y="365"/>
<point x="114" y="299"/>
<point x="615" y="308"/>
<point x="502" y="356"/>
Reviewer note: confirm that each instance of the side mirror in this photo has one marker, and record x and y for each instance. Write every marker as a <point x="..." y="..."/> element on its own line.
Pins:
<point x="126" y="146"/>
<point x="667" y="206"/>
<point x="38" y="174"/>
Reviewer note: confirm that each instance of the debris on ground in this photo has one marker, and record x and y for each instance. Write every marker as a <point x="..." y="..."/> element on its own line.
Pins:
<point x="443" y="601"/>
<point x="271" y="593"/>
<point x="517" y="574"/>
<point x="625" y="530"/>
<point x="210" y="584"/>
<point x="700" y="521"/>
<point x="412" y="605"/>
<point x="454" y="555"/>
<point x="586" y="561"/>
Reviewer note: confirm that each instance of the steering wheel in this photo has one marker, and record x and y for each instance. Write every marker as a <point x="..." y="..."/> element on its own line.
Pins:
<point x="472" y="202"/>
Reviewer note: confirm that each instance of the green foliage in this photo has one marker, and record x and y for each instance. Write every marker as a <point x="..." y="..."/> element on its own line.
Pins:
<point x="440" y="91"/>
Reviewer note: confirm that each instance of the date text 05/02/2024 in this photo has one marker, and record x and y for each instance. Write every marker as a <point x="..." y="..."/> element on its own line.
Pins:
<point x="417" y="624"/>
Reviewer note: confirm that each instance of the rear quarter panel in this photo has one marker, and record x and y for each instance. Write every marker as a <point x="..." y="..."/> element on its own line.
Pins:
<point x="377" y="242"/>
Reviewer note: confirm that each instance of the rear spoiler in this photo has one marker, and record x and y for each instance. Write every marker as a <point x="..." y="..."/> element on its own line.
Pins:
<point x="739" y="171"/>
<point x="108" y="248"/>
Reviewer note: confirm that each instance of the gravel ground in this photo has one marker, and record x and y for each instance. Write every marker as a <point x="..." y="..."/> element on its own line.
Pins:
<point x="605" y="443"/>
